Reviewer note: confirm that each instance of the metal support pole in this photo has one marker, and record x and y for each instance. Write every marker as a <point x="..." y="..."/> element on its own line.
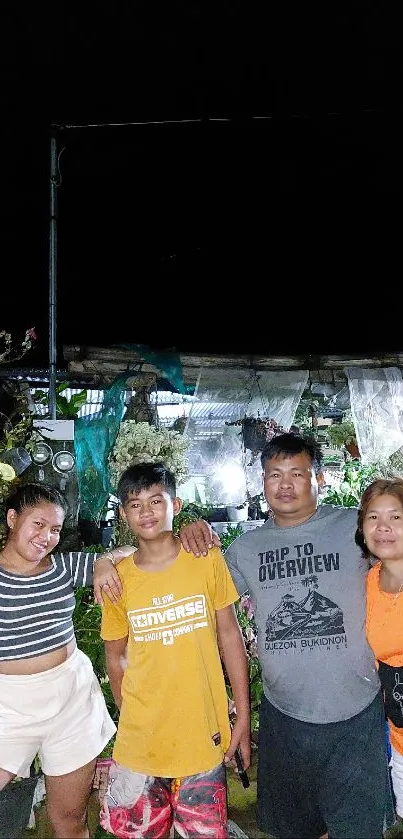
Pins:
<point x="53" y="277"/>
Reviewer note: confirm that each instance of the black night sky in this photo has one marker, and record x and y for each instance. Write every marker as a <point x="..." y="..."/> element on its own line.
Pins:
<point x="235" y="194"/>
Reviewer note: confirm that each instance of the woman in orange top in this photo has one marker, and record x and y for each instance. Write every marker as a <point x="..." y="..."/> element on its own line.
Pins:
<point x="380" y="535"/>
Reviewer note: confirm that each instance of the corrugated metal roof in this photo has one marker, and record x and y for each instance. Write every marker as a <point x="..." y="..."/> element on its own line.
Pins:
<point x="170" y="406"/>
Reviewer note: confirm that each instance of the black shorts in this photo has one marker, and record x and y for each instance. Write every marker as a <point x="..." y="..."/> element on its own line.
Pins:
<point x="333" y="778"/>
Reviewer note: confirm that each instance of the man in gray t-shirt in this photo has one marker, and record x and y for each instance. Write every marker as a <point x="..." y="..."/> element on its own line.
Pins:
<point x="307" y="586"/>
<point x="322" y="750"/>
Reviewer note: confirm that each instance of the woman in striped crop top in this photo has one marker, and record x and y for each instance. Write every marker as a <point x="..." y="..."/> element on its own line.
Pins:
<point x="51" y="703"/>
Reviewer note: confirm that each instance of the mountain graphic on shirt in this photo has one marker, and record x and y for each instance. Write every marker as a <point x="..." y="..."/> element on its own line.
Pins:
<point x="315" y="615"/>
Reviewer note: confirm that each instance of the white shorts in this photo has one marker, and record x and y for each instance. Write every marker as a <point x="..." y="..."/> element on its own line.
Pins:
<point x="59" y="714"/>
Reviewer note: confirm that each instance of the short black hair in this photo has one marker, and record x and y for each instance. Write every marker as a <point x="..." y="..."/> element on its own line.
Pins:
<point x="143" y="476"/>
<point x="29" y="495"/>
<point x="289" y="444"/>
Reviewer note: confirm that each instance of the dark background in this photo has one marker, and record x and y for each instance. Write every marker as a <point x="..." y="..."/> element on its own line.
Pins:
<point x="251" y="203"/>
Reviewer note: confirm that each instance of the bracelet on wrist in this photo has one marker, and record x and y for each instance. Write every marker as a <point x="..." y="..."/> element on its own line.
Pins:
<point x="108" y="555"/>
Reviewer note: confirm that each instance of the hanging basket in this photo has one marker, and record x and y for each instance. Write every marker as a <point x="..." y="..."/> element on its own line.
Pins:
<point x="254" y="434"/>
<point x="256" y="431"/>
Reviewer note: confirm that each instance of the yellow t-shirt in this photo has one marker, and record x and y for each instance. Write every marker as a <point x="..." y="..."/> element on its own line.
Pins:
<point x="174" y="715"/>
<point x="384" y="627"/>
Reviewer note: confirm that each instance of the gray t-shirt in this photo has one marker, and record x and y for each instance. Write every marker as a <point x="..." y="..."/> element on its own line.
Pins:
<point x="307" y="587"/>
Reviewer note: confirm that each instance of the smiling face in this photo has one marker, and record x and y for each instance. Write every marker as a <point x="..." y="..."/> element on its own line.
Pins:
<point x="150" y="512"/>
<point x="34" y="532"/>
<point x="382" y="527"/>
<point x="291" y="488"/>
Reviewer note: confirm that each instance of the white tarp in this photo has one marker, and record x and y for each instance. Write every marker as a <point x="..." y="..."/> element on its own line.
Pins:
<point x="376" y="401"/>
<point x="237" y="394"/>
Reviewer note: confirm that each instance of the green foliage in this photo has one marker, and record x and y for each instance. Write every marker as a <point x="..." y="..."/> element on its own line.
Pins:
<point x="308" y="408"/>
<point x="11" y="350"/>
<point x="100" y="833"/>
<point x="14" y="436"/>
<point x="87" y="623"/>
<point x="355" y="479"/>
<point x="341" y="433"/>
<point x="247" y="623"/>
<point x="230" y="533"/>
<point x="87" y="626"/>
<point x="190" y="512"/>
<point x="17" y="435"/>
<point x="65" y="408"/>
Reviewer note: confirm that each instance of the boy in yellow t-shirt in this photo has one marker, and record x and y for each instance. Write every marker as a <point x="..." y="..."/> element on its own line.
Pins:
<point x="175" y="620"/>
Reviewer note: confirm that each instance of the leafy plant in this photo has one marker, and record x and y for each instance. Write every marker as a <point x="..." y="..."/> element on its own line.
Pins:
<point x="246" y="620"/>
<point x="65" y="408"/>
<point x="230" y="533"/>
<point x="309" y="408"/>
<point x="347" y="490"/>
<point x="14" y="436"/>
<point x="87" y="625"/>
<point x="17" y="435"/>
<point x="190" y="512"/>
<point x="341" y="433"/>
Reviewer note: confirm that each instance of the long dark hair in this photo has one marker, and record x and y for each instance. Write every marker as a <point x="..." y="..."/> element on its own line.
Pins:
<point x="29" y="495"/>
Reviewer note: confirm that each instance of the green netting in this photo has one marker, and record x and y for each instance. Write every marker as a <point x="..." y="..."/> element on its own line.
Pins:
<point x="168" y="362"/>
<point x="95" y="435"/>
<point x="94" y="439"/>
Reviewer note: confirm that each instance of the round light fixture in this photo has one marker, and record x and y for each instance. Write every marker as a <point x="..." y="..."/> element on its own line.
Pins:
<point x="63" y="462"/>
<point x="41" y="454"/>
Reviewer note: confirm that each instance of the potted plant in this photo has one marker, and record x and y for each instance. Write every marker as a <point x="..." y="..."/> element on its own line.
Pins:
<point x="343" y="434"/>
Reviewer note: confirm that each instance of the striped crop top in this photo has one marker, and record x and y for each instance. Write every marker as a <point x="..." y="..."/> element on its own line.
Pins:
<point x="36" y="611"/>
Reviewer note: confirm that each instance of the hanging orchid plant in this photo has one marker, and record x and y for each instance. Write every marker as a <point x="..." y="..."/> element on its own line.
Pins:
<point x="139" y="442"/>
